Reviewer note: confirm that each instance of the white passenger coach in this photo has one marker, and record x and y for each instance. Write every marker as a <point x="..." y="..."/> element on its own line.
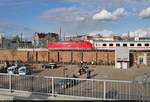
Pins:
<point x="111" y="45"/>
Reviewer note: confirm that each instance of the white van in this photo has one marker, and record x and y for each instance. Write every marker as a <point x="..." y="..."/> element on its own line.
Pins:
<point x="22" y="70"/>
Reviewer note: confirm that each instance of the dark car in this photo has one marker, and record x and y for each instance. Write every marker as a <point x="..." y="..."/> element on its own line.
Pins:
<point x="3" y="69"/>
<point x="23" y="64"/>
<point x="49" y="65"/>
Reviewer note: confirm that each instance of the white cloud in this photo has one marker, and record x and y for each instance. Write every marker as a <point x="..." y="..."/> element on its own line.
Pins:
<point x="62" y="14"/>
<point x="109" y="4"/>
<point x="104" y="33"/>
<point x="143" y="32"/>
<point x="145" y="13"/>
<point x="105" y="15"/>
<point x="120" y="12"/>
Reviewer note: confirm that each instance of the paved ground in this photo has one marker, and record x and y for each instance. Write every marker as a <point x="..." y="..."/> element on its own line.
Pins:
<point x="98" y="72"/>
<point x="6" y="95"/>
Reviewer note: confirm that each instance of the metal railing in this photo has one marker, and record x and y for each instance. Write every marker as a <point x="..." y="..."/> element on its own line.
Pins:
<point x="77" y="87"/>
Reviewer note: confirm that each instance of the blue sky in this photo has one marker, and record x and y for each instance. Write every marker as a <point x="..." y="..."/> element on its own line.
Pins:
<point x="108" y="17"/>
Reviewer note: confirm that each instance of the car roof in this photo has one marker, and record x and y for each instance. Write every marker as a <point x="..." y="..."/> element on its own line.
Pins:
<point x="22" y="68"/>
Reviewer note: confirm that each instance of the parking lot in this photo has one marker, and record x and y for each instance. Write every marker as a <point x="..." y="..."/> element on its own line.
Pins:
<point x="82" y="87"/>
<point x="108" y="72"/>
<point x="97" y="71"/>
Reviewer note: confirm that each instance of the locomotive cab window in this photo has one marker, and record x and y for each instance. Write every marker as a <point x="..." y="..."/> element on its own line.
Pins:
<point x="146" y="44"/>
<point x="111" y="44"/>
<point x="131" y="44"/>
<point x="104" y="45"/>
<point x="139" y="44"/>
<point x="124" y="45"/>
<point x="117" y="44"/>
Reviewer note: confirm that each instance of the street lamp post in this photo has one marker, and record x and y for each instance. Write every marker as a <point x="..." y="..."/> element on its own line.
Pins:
<point x="64" y="77"/>
<point x="65" y="71"/>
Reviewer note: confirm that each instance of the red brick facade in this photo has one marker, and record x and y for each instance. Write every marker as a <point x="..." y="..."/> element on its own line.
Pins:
<point x="64" y="56"/>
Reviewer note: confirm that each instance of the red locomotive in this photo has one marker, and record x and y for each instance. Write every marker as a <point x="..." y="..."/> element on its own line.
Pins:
<point x="85" y="45"/>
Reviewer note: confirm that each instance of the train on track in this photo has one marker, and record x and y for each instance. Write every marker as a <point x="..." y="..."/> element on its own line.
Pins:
<point x="99" y="45"/>
<point x="84" y="45"/>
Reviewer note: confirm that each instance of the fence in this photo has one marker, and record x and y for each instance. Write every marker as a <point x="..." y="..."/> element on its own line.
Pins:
<point x="76" y="87"/>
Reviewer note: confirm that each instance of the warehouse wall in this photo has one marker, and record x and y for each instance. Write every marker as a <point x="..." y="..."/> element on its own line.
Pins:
<point x="53" y="56"/>
<point x="11" y="55"/>
<point x="89" y="57"/>
<point x="77" y="57"/>
<point x="42" y="56"/>
<point x="64" y="56"/>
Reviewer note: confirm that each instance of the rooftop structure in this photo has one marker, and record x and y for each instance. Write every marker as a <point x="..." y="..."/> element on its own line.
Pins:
<point x="43" y="39"/>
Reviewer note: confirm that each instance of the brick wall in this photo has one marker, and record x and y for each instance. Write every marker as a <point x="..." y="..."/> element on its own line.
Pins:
<point x="21" y="56"/>
<point x="89" y="57"/>
<point x="111" y="57"/>
<point x="77" y="57"/>
<point x="65" y="56"/>
<point x="32" y="56"/>
<point x="13" y="55"/>
<point x="102" y="57"/>
<point x="42" y="56"/>
<point x="5" y="55"/>
<point x="53" y="56"/>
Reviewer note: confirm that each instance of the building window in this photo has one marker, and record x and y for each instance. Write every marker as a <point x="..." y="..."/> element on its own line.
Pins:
<point x="146" y="44"/>
<point x="124" y="44"/>
<point x="131" y="44"/>
<point x="104" y="44"/>
<point x="111" y="44"/>
<point x="139" y="44"/>
<point x="117" y="44"/>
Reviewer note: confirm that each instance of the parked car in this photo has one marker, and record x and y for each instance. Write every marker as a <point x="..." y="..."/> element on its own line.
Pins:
<point x="49" y="65"/>
<point x="3" y="69"/>
<point x="23" y="64"/>
<point x="22" y="70"/>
